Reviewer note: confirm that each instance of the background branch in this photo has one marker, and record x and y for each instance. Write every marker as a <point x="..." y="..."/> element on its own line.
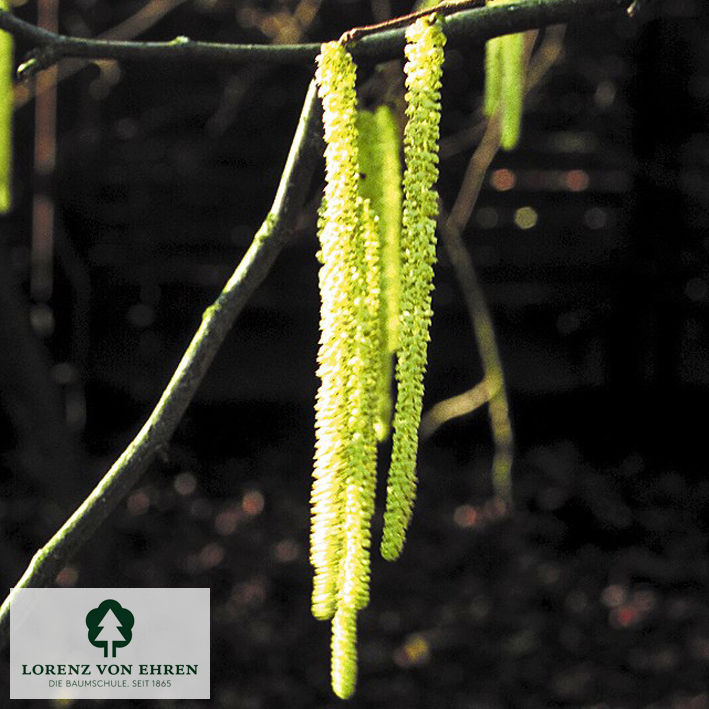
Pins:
<point x="131" y="27"/>
<point x="491" y="390"/>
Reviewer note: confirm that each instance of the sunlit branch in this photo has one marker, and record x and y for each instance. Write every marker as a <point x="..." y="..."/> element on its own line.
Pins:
<point x="455" y="407"/>
<point x="216" y="323"/>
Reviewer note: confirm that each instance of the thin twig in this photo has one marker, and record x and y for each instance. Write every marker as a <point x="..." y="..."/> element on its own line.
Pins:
<point x="131" y="27"/>
<point x="492" y="389"/>
<point x="443" y="8"/>
<point x="494" y="378"/>
<point x="240" y="84"/>
<point x="455" y="407"/>
<point x="451" y="228"/>
<point x="461" y="27"/>
<point x="216" y="322"/>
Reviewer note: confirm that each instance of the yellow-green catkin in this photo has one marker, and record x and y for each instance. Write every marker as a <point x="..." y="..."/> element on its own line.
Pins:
<point x="360" y="443"/>
<point x="348" y="365"/>
<point x="504" y="83"/>
<point x="424" y="53"/>
<point x="380" y="169"/>
<point x="360" y="453"/>
<point x="6" y="108"/>
<point x="512" y="89"/>
<point x="493" y="76"/>
<point x="344" y="652"/>
<point x="336" y="75"/>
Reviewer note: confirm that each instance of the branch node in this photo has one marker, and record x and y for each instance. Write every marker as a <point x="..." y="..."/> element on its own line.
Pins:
<point x="38" y="60"/>
<point x="27" y="69"/>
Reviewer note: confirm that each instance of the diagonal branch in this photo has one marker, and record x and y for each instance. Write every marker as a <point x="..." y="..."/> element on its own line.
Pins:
<point x="216" y="322"/>
<point x="461" y="27"/>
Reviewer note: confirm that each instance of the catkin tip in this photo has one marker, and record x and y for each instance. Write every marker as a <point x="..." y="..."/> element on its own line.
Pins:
<point x="391" y="548"/>
<point x="344" y="652"/>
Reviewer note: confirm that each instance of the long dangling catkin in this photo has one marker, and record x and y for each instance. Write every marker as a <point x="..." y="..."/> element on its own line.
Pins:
<point x="504" y="83"/>
<point x="345" y="452"/>
<point x="6" y="106"/>
<point x="512" y="89"/>
<point x="493" y="76"/>
<point x="335" y="76"/>
<point x="424" y="66"/>
<point x="360" y="444"/>
<point x="380" y="169"/>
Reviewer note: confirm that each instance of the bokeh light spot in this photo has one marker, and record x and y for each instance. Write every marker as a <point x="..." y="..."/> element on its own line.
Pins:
<point x="414" y="652"/>
<point x="211" y="556"/>
<point x="185" y="483"/>
<point x="503" y="180"/>
<point x="465" y="516"/>
<point x="67" y="577"/>
<point x="138" y="503"/>
<point x="252" y="503"/>
<point x="623" y="617"/>
<point x="577" y="180"/>
<point x="613" y="596"/>
<point x="226" y="522"/>
<point x="526" y="218"/>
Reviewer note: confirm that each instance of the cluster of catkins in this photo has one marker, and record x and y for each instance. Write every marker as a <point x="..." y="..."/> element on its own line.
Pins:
<point x="376" y="280"/>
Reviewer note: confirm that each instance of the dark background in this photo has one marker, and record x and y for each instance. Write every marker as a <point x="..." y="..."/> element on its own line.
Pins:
<point x="593" y="592"/>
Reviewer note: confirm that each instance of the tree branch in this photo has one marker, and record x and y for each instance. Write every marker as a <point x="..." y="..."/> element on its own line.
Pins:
<point x="216" y="323"/>
<point x="492" y="390"/>
<point x="132" y="26"/>
<point x="268" y="241"/>
<point x="461" y="27"/>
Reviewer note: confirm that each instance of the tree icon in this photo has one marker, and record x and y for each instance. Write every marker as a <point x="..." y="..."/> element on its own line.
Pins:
<point x="110" y="626"/>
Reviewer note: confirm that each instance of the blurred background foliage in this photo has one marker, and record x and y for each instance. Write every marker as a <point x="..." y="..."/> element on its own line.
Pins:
<point x="592" y="244"/>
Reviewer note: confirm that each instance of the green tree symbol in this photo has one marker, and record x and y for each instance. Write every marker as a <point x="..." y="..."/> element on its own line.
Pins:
<point x="110" y="626"/>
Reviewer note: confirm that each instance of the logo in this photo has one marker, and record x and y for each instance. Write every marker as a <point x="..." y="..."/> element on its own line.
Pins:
<point x="110" y="626"/>
<point x="109" y="643"/>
